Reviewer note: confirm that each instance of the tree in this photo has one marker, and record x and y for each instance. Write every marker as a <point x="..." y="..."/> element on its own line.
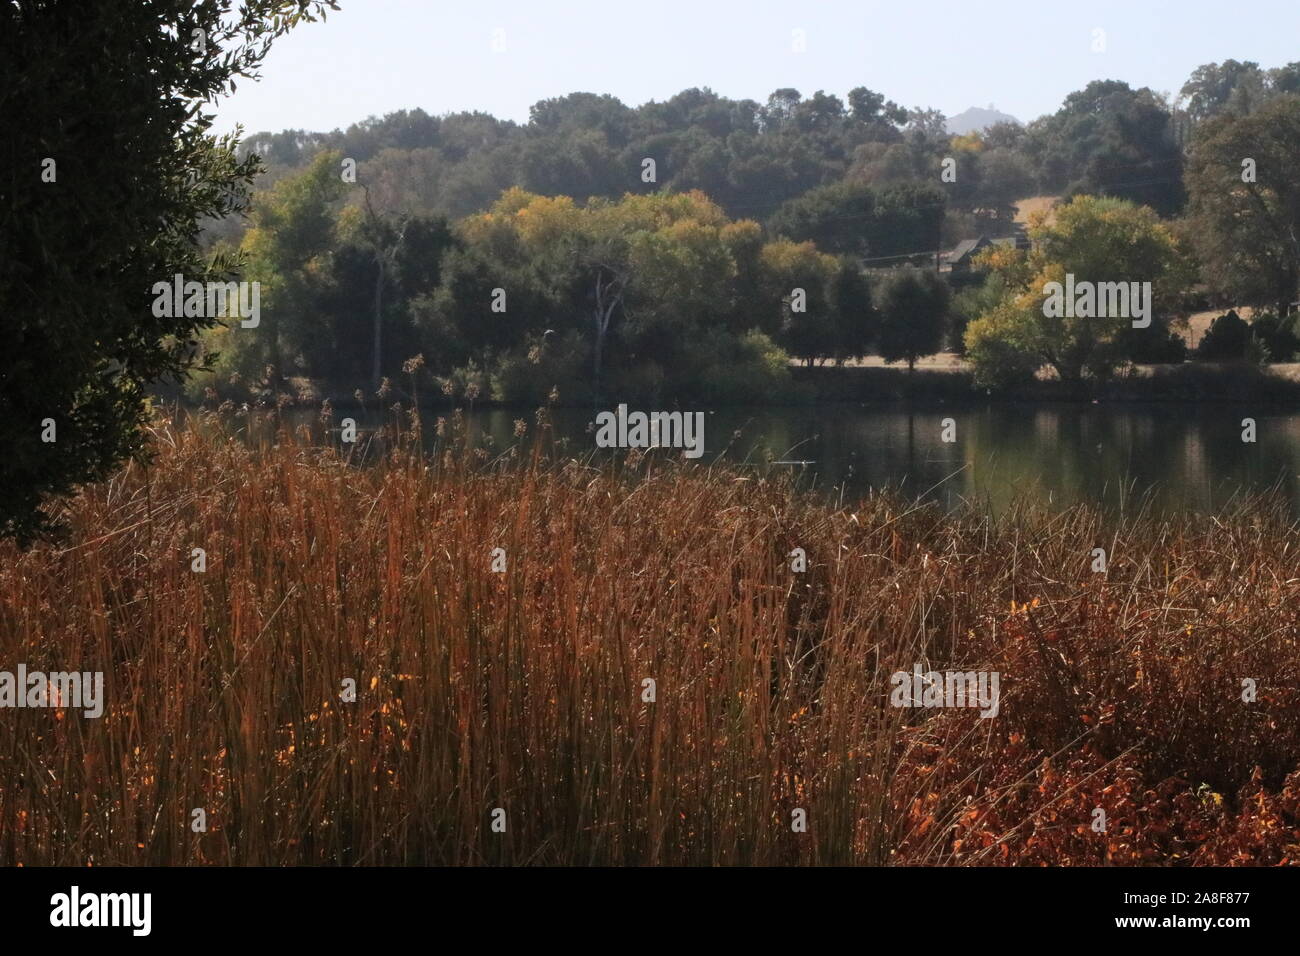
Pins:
<point x="293" y="233"/>
<point x="578" y="163"/>
<point x="109" y="169"/>
<point x="913" y="306"/>
<point x="1004" y="135"/>
<point x="1001" y="346"/>
<point x="455" y="322"/>
<point x="578" y="112"/>
<point x="1095" y="240"/>
<point x="855" y="219"/>
<point x="405" y="181"/>
<point x="796" y="279"/>
<point x="855" y="319"/>
<point x="384" y="239"/>
<point x="881" y="118"/>
<point x="926" y="125"/>
<point x="1285" y="79"/>
<point x="969" y="304"/>
<point x="1226" y="338"/>
<point x="1109" y="139"/>
<point x="1277" y="334"/>
<point x="747" y="157"/>
<point x="780" y="107"/>
<point x="1232" y="86"/>
<point x="1246" y="219"/>
<point x="603" y="252"/>
<point x="1005" y="176"/>
<point x="821" y="112"/>
<point x="649" y="273"/>
<point x="339" y="281"/>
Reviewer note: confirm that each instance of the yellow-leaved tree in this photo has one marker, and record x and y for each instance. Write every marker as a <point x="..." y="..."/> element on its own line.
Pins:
<point x="1099" y="253"/>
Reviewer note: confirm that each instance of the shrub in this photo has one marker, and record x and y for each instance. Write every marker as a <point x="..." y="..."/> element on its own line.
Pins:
<point x="995" y="348"/>
<point x="737" y="370"/>
<point x="526" y="375"/>
<point x="1278" y="335"/>
<point x="1155" y="345"/>
<point x="237" y="370"/>
<point x="968" y="304"/>
<point x="1225" y="340"/>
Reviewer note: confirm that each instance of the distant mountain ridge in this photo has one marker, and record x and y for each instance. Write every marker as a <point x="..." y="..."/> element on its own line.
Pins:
<point x="975" y="119"/>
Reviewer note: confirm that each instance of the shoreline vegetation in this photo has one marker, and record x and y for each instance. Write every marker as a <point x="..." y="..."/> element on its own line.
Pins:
<point x="523" y="689"/>
<point x="1189" y="382"/>
<point x="1026" y="249"/>
<point x="1275" y="386"/>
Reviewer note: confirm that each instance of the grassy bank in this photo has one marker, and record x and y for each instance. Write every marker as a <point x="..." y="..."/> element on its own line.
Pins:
<point x="944" y="379"/>
<point x="524" y="690"/>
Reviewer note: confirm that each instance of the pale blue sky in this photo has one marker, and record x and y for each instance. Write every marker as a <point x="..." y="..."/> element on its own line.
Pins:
<point x="1024" y="56"/>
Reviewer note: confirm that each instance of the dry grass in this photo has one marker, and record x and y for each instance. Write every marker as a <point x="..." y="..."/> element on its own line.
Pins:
<point x="1198" y="323"/>
<point x="523" y="690"/>
<point x="1033" y="204"/>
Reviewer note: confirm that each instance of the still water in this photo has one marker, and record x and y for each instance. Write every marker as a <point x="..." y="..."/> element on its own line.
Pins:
<point x="1171" y="457"/>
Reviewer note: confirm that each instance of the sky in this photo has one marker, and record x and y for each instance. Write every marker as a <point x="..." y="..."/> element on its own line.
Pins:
<point x="501" y="56"/>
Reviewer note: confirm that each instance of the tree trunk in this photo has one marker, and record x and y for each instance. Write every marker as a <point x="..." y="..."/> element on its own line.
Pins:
<point x="598" y="350"/>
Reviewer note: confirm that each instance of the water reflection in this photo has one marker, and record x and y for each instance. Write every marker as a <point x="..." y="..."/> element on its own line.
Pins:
<point x="1175" y="457"/>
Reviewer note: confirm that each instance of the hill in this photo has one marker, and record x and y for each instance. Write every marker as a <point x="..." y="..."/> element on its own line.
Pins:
<point x="975" y="118"/>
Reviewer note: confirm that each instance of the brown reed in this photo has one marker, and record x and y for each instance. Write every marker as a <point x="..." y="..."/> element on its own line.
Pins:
<point x="523" y="690"/>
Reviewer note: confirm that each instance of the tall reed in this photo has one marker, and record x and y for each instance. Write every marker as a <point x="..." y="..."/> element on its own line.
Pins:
<point x="524" y="690"/>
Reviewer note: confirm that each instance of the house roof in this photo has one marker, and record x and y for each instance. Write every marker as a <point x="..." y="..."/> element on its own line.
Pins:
<point x="968" y="247"/>
<point x="964" y="248"/>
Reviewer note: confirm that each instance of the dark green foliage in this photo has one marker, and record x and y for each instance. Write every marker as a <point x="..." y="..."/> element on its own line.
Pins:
<point x="1230" y="87"/>
<point x="1109" y="139"/>
<point x="1225" y="339"/>
<point x="337" y="345"/>
<point x="809" y="334"/>
<point x="970" y="302"/>
<point x="853" y="219"/>
<point x="856" y="322"/>
<point x="1155" y="345"/>
<point x="913" y="305"/>
<point x="748" y="157"/>
<point x="1245" y="225"/>
<point x="113" y="93"/>
<point x="1277" y="334"/>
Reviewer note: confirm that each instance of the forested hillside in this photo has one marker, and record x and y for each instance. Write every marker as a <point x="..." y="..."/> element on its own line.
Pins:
<point x="689" y="249"/>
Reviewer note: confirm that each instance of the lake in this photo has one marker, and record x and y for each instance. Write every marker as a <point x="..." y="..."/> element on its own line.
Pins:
<point x="1178" y="457"/>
